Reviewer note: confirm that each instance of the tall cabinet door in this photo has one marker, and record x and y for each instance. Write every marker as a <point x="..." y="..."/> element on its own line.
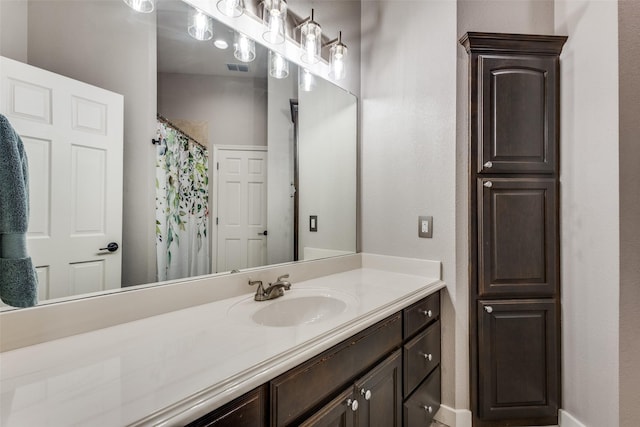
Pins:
<point x="518" y="98"/>
<point x="518" y="361"/>
<point x="517" y="225"/>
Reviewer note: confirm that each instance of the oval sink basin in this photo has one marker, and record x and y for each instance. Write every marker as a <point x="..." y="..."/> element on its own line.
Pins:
<point x="297" y="307"/>
<point x="297" y="311"/>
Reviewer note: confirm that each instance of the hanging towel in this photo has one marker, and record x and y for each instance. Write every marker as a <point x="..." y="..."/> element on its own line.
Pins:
<point x="18" y="281"/>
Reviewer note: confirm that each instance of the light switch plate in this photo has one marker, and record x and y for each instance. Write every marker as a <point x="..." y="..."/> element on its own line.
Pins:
<point x="425" y="226"/>
<point x="313" y="223"/>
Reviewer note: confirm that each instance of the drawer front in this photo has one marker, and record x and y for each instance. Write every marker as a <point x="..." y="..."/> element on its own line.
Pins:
<point x="420" y="314"/>
<point x="421" y="356"/>
<point x="296" y="392"/>
<point x="421" y="407"/>
<point x="246" y="411"/>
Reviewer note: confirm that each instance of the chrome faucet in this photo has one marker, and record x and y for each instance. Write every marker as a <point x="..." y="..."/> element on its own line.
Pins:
<point x="274" y="290"/>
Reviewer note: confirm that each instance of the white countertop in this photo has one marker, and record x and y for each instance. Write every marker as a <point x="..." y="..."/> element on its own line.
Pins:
<point x="175" y="367"/>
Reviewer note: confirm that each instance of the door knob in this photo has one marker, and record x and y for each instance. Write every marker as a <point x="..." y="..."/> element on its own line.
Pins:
<point x="427" y="313"/>
<point x="488" y="165"/>
<point x="353" y="404"/>
<point x="264" y="233"/>
<point x="366" y="394"/>
<point x="428" y="409"/>
<point x="488" y="184"/>
<point x="488" y="309"/>
<point x="111" y="247"/>
<point x="426" y="356"/>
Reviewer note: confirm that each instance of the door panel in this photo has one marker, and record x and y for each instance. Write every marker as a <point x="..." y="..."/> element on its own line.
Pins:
<point x="518" y="112"/>
<point x="517" y="359"/>
<point x="242" y="208"/>
<point x="380" y="394"/>
<point x="337" y="413"/>
<point x="518" y="231"/>
<point x="73" y="137"/>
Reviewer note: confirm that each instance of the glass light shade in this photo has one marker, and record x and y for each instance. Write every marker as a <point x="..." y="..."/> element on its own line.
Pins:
<point x="337" y="57"/>
<point x="306" y="80"/>
<point x="278" y="65"/>
<point x="231" y="8"/>
<point x="244" y="48"/>
<point x="200" y="26"/>
<point x="143" y="6"/>
<point x="274" y="17"/>
<point x="310" y="40"/>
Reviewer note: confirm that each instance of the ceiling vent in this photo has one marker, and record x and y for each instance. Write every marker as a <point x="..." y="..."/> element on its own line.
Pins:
<point x="243" y="68"/>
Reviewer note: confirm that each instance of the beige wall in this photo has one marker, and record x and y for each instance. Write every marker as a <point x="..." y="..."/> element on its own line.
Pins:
<point x="13" y="29"/>
<point x="106" y="44"/>
<point x="590" y="226"/>
<point x="629" y="53"/>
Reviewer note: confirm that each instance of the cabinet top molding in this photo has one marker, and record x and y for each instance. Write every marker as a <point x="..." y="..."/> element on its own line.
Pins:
<point x="513" y="43"/>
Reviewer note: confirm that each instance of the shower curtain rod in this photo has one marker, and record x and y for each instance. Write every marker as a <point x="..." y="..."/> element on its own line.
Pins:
<point x="186" y="135"/>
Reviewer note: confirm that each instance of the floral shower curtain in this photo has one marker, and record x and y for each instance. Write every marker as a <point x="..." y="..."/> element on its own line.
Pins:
<point x="182" y="206"/>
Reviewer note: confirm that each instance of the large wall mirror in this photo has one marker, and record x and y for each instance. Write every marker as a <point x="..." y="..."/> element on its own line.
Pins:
<point x="154" y="156"/>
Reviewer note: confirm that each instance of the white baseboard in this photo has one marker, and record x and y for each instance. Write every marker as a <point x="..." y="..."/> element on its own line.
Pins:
<point x="454" y="417"/>
<point x="565" y="419"/>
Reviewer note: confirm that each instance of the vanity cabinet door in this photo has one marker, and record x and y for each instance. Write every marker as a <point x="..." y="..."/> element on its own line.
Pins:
<point x="249" y="410"/>
<point x="518" y="355"/>
<point x="340" y="412"/>
<point x="518" y="237"/>
<point x="379" y="394"/>
<point x="518" y="104"/>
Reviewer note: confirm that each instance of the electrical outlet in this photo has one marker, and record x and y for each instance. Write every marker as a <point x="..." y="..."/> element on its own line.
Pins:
<point x="425" y="226"/>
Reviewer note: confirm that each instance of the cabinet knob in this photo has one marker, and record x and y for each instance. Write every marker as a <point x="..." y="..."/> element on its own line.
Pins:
<point x="488" y="184"/>
<point x="353" y="404"/>
<point x="488" y="309"/>
<point x="428" y="409"/>
<point x="427" y="313"/>
<point x="488" y="165"/>
<point x="426" y="356"/>
<point x="366" y="394"/>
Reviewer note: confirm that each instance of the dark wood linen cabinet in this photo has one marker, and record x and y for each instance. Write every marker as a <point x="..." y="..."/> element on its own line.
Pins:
<point x="514" y="271"/>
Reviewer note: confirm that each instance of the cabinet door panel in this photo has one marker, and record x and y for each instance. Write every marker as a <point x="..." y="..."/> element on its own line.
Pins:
<point x="517" y="237"/>
<point x="518" y="114"/>
<point x="337" y="413"/>
<point x="421" y="407"/>
<point x="517" y="359"/>
<point x="246" y="411"/>
<point x="380" y="394"/>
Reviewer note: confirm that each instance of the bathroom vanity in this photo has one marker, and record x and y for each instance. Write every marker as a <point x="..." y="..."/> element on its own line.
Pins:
<point x="221" y="362"/>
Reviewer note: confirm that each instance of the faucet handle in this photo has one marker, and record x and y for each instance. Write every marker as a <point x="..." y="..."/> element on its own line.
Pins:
<point x="254" y="282"/>
<point x="284" y="276"/>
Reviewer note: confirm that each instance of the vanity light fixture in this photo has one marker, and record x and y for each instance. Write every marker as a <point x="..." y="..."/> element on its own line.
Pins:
<point x="231" y="8"/>
<point x="307" y="81"/>
<point x="310" y="40"/>
<point x="244" y="48"/>
<point x="143" y="6"/>
<point x="200" y="25"/>
<point x="278" y="65"/>
<point x="337" y="56"/>
<point x="274" y="15"/>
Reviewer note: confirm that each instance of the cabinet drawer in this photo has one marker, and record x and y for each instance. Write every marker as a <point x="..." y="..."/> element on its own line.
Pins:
<point x="246" y="411"/>
<point x="421" y="356"/>
<point x="420" y="314"/>
<point x="296" y="392"/>
<point x="421" y="407"/>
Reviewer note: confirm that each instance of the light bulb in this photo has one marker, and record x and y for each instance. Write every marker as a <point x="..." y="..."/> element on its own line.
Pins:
<point x="231" y="8"/>
<point x="275" y="12"/>
<point x="278" y="66"/>
<point x="200" y="26"/>
<point x="310" y="37"/>
<point x="337" y="56"/>
<point x="244" y="48"/>
<point x="142" y="6"/>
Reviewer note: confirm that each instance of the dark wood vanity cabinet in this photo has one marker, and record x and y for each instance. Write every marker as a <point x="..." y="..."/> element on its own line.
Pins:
<point x="385" y="376"/>
<point x="514" y="289"/>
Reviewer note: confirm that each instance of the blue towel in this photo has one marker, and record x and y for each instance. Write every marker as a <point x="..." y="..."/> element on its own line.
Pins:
<point x="18" y="280"/>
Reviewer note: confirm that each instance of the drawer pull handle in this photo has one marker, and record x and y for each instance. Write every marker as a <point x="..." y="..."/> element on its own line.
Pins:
<point x="426" y="356"/>
<point x="488" y="184"/>
<point x="488" y="165"/>
<point x="488" y="309"/>
<point x="353" y="404"/>
<point x="366" y="394"/>
<point x="428" y="409"/>
<point x="427" y="313"/>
